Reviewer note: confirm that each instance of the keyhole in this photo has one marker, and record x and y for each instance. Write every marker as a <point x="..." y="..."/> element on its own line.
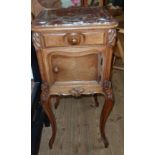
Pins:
<point x="101" y="61"/>
<point x="99" y="78"/>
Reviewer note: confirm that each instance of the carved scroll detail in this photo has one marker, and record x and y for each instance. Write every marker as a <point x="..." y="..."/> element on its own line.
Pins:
<point x="36" y="40"/>
<point x="111" y="37"/>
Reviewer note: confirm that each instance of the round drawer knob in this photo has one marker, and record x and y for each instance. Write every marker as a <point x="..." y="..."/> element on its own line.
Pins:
<point x="74" y="41"/>
<point x="74" y="38"/>
<point x="55" y="69"/>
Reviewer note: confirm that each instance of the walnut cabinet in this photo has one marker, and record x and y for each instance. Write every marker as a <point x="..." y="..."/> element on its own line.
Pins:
<point x="74" y="51"/>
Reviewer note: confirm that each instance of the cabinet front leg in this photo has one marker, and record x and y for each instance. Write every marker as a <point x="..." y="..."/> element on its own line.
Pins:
<point x="108" y="105"/>
<point x="46" y="100"/>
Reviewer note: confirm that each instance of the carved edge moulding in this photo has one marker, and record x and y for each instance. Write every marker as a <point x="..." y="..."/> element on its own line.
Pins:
<point x="111" y="37"/>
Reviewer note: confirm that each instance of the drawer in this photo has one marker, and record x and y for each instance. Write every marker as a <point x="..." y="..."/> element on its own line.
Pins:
<point x="74" y="39"/>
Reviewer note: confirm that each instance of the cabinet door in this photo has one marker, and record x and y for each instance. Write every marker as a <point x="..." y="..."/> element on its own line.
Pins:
<point x="79" y="68"/>
<point x="69" y="66"/>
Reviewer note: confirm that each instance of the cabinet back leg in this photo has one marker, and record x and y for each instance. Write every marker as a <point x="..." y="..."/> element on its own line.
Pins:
<point x="96" y="101"/>
<point x="57" y="102"/>
<point x="48" y="110"/>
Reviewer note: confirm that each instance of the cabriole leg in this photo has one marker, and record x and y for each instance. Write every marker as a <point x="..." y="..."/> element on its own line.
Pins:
<point x="45" y="101"/>
<point x="108" y="105"/>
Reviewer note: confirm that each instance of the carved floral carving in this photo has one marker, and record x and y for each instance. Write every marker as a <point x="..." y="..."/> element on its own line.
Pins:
<point x="111" y="37"/>
<point x="107" y="89"/>
<point x="76" y="92"/>
<point x="36" y="40"/>
<point x="45" y="92"/>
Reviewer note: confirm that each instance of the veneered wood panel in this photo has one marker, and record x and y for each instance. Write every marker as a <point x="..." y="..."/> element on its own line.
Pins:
<point x="51" y="40"/>
<point x="95" y="38"/>
<point x="85" y="60"/>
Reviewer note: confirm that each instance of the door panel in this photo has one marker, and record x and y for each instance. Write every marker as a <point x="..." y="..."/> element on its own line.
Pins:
<point x="83" y="68"/>
<point x="73" y="66"/>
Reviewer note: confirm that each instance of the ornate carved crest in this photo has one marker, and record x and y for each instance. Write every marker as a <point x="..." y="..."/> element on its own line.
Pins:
<point x="76" y="92"/>
<point x="36" y="40"/>
<point x="111" y="37"/>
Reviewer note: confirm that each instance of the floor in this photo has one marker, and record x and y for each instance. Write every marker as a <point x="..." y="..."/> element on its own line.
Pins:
<point x="78" y="125"/>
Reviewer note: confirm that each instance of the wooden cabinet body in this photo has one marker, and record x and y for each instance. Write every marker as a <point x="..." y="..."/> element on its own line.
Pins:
<point x="74" y="50"/>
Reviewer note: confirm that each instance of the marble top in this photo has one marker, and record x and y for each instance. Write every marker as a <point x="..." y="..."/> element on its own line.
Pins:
<point x="74" y="16"/>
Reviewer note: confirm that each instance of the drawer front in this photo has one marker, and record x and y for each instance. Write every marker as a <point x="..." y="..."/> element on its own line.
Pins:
<point x="73" y="39"/>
